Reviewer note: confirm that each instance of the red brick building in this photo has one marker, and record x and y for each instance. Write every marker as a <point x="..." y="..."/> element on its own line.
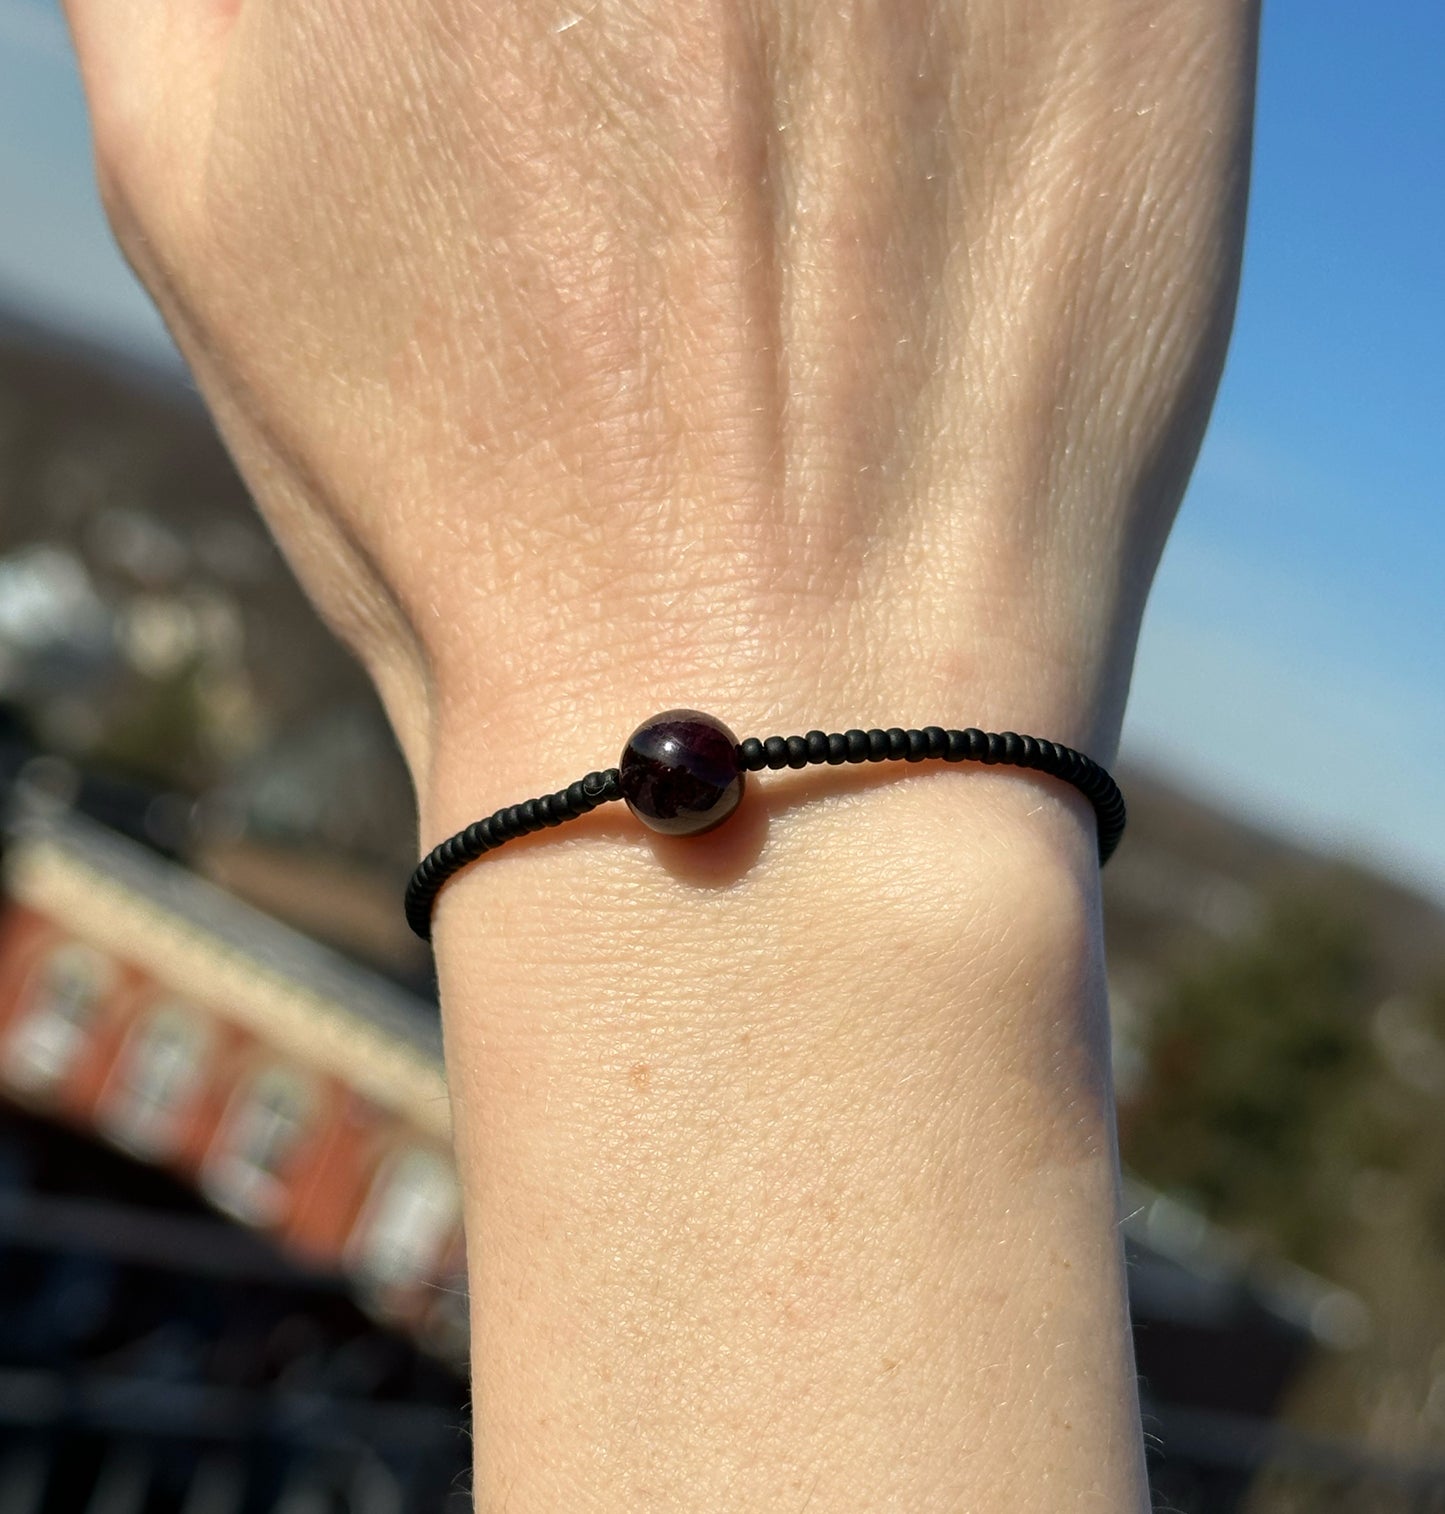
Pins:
<point x="301" y="1094"/>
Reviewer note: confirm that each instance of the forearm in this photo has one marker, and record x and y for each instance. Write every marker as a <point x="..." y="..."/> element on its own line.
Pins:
<point x="789" y="1157"/>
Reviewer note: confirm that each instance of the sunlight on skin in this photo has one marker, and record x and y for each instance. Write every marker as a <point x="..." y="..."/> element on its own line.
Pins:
<point x="809" y="366"/>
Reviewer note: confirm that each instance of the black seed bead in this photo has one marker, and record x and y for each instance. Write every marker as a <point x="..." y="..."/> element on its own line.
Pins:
<point x="917" y="746"/>
<point x="857" y="744"/>
<point x="837" y="749"/>
<point x="594" y="784"/>
<point x="937" y="739"/>
<point x="1013" y="746"/>
<point x="977" y="743"/>
<point x="777" y="750"/>
<point x="474" y="841"/>
<point x="577" y="799"/>
<point x="751" y="756"/>
<point x="797" y="752"/>
<point x="956" y="746"/>
<point x="817" y="746"/>
<point x="877" y="745"/>
<point x="897" y="743"/>
<point x="991" y="745"/>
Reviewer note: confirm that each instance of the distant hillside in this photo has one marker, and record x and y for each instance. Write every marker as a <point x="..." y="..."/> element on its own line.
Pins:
<point x="1189" y="875"/>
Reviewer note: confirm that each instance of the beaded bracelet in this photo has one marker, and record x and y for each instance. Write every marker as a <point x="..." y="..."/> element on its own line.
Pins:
<point x="682" y="774"/>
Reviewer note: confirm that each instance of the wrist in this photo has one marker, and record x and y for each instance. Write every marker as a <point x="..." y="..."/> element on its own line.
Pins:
<point x="497" y="749"/>
<point x="962" y="859"/>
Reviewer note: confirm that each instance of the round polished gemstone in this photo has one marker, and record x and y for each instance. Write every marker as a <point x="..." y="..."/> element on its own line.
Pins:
<point x="680" y="773"/>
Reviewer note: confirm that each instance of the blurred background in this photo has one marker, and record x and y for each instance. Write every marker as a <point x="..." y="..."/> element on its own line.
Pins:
<point x="231" y="1273"/>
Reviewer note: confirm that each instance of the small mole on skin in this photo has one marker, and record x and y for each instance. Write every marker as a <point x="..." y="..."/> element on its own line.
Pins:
<point x="641" y="1075"/>
<point x="889" y="1364"/>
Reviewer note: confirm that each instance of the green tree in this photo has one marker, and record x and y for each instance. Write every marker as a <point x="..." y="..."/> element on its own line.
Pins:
<point x="1257" y="1062"/>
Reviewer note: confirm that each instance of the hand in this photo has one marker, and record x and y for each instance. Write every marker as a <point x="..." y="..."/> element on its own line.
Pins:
<point x="813" y="364"/>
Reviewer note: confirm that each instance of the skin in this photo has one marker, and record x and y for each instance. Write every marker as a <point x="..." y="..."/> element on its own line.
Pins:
<point x="815" y="365"/>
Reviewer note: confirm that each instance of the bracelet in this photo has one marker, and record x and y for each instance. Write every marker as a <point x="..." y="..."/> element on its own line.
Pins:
<point x="682" y="773"/>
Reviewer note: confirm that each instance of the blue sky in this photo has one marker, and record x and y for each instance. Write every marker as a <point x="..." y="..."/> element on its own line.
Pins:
<point x="1293" y="660"/>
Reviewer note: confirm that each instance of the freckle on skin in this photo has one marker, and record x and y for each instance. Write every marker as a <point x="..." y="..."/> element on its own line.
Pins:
<point x="640" y="1075"/>
<point x="889" y="1364"/>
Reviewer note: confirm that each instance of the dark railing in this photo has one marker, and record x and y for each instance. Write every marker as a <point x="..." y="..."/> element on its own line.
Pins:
<point x="1206" y="1461"/>
<point x="156" y="1359"/>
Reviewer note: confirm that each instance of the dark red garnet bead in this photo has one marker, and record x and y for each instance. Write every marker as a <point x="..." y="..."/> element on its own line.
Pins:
<point x="680" y="773"/>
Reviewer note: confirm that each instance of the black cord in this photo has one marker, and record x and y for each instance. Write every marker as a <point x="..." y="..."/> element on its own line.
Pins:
<point x="992" y="748"/>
